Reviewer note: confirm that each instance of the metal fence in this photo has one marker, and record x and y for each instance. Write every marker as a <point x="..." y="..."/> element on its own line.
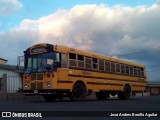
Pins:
<point x="14" y="83"/>
<point x="9" y="86"/>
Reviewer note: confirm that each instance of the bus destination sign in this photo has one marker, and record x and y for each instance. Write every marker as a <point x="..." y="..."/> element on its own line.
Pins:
<point x="38" y="49"/>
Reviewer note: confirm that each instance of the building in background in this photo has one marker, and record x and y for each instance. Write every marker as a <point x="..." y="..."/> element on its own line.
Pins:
<point x="11" y="82"/>
<point x="10" y="79"/>
<point x="3" y="61"/>
<point x="14" y="80"/>
<point x="154" y="88"/>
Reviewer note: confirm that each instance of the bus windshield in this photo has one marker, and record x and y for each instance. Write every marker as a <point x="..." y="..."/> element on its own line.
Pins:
<point x="40" y="62"/>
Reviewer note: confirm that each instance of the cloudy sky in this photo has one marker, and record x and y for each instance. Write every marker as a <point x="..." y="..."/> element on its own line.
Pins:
<point x="127" y="29"/>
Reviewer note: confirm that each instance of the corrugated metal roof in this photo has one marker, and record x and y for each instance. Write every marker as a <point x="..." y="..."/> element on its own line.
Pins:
<point x="11" y="67"/>
<point x="3" y="59"/>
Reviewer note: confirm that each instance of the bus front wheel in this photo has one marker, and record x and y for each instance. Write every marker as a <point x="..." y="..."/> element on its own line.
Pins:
<point x="78" y="92"/>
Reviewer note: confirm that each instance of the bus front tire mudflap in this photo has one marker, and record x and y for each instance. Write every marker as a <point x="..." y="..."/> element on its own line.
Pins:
<point x="126" y="94"/>
<point x="102" y="95"/>
<point x="78" y="92"/>
<point x="50" y="97"/>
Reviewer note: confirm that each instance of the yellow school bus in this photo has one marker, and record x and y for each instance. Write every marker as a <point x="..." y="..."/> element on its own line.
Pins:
<point x="56" y="71"/>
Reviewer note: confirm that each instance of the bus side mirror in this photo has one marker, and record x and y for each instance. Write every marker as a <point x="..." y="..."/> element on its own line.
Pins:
<point x="20" y="59"/>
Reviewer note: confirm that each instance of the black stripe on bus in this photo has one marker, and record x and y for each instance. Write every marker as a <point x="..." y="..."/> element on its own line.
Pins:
<point x="99" y="71"/>
<point x="106" y="78"/>
<point x="138" y="85"/>
<point x="95" y="83"/>
<point x="64" y="81"/>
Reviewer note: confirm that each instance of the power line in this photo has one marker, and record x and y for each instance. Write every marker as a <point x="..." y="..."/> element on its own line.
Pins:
<point x="143" y="51"/>
<point x="153" y="71"/>
<point x="153" y="66"/>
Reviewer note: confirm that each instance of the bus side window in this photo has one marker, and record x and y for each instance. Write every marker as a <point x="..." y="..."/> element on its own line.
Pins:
<point x="80" y="61"/>
<point x="139" y="71"/>
<point x="127" y="69"/>
<point x="107" y="66"/>
<point x="94" y="63"/>
<point x="101" y="65"/>
<point x="72" y="60"/>
<point x="118" y="70"/>
<point x="112" y="67"/>
<point x="131" y="70"/>
<point x="88" y="62"/>
<point x="64" y="60"/>
<point x="122" y="69"/>
<point x="135" y="71"/>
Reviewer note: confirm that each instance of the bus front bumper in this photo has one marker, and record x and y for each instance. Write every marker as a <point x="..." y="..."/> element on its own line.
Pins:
<point x="43" y="92"/>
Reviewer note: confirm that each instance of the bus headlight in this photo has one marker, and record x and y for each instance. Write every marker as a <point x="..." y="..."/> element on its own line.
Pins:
<point x="26" y="86"/>
<point x="48" y="85"/>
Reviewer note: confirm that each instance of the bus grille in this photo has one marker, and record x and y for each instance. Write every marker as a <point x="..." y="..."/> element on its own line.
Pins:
<point x="37" y="76"/>
<point x="33" y="76"/>
<point x="36" y="87"/>
<point x="40" y="76"/>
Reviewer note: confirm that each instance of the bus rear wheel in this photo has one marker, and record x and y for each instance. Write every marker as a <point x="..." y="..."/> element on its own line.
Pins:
<point x="126" y="94"/>
<point x="78" y="92"/>
<point x="102" y="95"/>
<point x="50" y="97"/>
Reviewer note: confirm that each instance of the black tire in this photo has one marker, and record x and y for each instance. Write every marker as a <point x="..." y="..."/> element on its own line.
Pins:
<point x="78" y="92"/>
<point x="102" y="95"/>
<point x="50" y="98"/>
<point x="126" y="94"/>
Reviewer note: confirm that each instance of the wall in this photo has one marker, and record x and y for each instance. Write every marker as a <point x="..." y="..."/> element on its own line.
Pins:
<point x="155" y="91"/>
<point x="13" y="80"/>
<point x="9" y="86"/>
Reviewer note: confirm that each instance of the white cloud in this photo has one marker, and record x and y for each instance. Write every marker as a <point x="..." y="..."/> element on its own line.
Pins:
<point x="9" y="6"/>
<point x="92" y="26"/>
<point x="98" y="28"/>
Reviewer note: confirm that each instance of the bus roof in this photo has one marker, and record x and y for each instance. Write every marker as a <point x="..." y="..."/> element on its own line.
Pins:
<point x="65" y="49"/>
